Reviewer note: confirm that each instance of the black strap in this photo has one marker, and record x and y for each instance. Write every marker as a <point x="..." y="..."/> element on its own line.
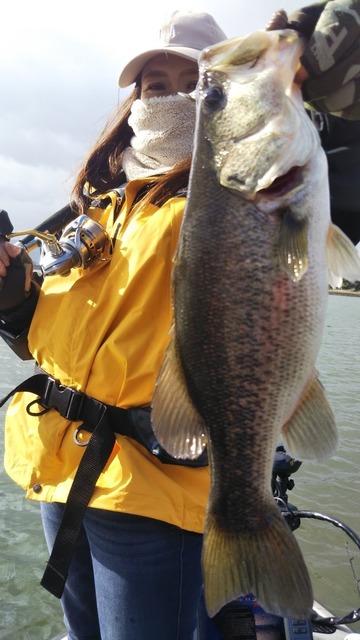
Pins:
<point x="31" y="384"/>
<point x="74" y="406"/>
<point x="92" y="463"/>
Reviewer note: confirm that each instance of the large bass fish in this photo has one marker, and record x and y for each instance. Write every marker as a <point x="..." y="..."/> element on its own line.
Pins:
<point x="250" y="293"/>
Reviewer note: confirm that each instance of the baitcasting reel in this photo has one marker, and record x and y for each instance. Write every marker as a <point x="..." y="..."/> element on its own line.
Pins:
<point x="81" y="242"/>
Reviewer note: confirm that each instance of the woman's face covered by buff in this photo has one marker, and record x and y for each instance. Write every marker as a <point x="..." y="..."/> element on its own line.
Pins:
<point x="162" y="120"/>
<point x="164" y="130"/>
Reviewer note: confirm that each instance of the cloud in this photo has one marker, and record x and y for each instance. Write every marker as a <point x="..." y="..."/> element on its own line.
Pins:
<point x="31" y="193"/>
<point x="52" y="109"/>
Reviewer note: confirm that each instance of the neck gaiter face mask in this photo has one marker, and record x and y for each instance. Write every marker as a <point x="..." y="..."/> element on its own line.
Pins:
<point x="164" y="135"/>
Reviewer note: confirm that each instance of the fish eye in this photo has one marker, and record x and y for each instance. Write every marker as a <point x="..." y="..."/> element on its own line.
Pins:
<point x="214" y="97"/>
<point x="212" y="90"/>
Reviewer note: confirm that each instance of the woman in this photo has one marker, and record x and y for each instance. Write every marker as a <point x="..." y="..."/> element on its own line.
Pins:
<point x="135" y="571"/>
<point x="134" y="539"/>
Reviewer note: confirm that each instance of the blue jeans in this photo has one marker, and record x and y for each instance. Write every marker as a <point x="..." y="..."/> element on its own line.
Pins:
<point x="131" y="578"/>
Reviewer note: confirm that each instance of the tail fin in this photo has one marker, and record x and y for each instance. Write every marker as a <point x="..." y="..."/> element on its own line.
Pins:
<point x="266" y="562"/>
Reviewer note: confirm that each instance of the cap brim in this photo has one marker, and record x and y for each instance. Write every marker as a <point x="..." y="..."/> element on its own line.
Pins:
<point x="135" y="66"/>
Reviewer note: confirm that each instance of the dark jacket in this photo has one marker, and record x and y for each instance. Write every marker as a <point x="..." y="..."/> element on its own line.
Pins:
<point x="340" y="139"/>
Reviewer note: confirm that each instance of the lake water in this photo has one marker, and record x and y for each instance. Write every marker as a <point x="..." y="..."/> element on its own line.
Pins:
<point x="28" y="612"/>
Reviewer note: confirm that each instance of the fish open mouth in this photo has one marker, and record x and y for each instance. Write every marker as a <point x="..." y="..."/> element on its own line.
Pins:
<point x="283" y="184"/>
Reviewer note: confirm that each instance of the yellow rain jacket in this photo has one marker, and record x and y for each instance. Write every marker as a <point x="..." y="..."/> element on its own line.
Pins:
<point x="103" y="331"/>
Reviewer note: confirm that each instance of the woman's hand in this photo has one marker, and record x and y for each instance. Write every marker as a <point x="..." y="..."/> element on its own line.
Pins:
<point x="16" y="269"/>
<point x="7" y="251"/>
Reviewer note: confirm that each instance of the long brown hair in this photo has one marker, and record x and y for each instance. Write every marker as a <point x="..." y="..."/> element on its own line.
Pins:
<point x="102" y="169"/>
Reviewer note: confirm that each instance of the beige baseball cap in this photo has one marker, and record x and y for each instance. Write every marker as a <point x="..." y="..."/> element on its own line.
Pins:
<point x="185" y="34"/>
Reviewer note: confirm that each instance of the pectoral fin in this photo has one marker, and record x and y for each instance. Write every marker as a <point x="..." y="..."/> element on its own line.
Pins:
<point x="293" y="246"/>
<point x="176" y="423"/>
<point x="310" y="433"/>
<point x="342" y="256"/>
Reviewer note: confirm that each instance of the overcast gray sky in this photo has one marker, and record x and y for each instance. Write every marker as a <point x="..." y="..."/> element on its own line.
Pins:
<point x="59" y="65"/>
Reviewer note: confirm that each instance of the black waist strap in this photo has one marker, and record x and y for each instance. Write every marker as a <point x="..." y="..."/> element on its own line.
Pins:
<point x="102" y="421"/>
<point x="72" y="405"/>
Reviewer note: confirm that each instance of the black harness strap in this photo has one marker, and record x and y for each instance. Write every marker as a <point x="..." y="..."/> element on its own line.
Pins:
<point x="32" y="384"/>
<point x="92" y="463"/>
<point x="97" y="418"/>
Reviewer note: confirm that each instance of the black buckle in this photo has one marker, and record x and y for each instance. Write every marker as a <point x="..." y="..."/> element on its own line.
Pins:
<point x="68" y="402"/>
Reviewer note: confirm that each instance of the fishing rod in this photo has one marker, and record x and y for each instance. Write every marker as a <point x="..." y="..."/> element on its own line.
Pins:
<point x="52" y="225"/>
